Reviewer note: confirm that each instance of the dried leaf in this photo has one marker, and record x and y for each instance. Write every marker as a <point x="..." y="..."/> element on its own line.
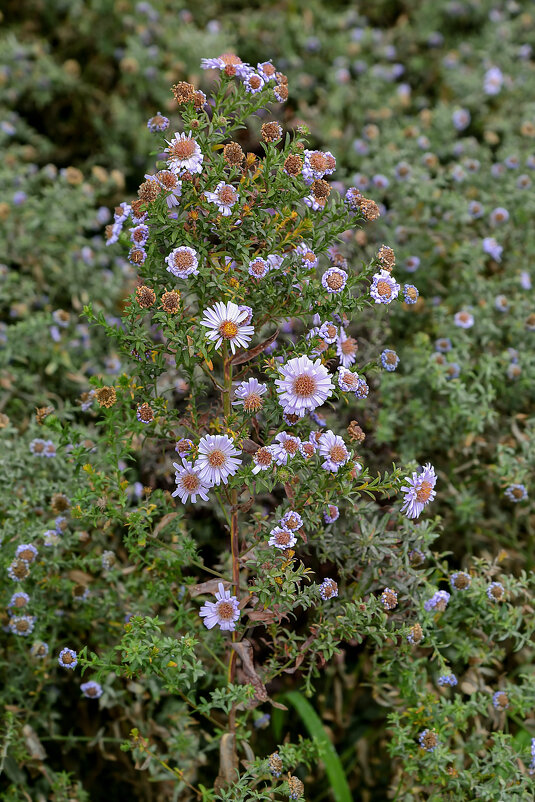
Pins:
<point x="239" y="359"/>
<point x="33" y="743"/>
<point x="245" y="652"/>
<point x="210" y="587"/>
<point x="163" y="523"/>
<point x="80" y="577"/>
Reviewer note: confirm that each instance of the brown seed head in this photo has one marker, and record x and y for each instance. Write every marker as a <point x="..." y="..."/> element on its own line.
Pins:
<point x="281" y="92"/>
<point x="233" y="154"/>
<point x="271" y="132"/>
<point x="416" y="633"/>
<point x="106" y="396"/>
<point x="295" y="787"/>
<point x="145" y="296"/>
<point x="171" y="302"/>
<point x="145" y="413"/>
<point x="386" y="256"/>
<point x="369" y="209"/>
<point x="59" y="503"/>
<point x="183" y="92"/>
<point x="199" y="99"/>
<point x="43" y="412"/>
<point x="137" y="207"/>
<point x="355" y="432"/>
<point x="321" y="189"/>
<point x="461" y="581"/>
<point x="293" y="164"/>
<point x="148" y="191"/>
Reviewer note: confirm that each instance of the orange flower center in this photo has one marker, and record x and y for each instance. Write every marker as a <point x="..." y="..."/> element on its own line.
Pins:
<point x="183" y="259"/>
<point x="167" y="178"/>
<point x="182" y="149"/>
<point x="228" y="329"/>
<point x="318" y="162"/>
<point x="283" y="538"/>
<point x="384" y="289"/>
<point x="349" y="346"/>
<point x="190" y="482"/>
<point x="227" y="195"/>
<point x="338" y="453"/>
<point x="424" y="492"/>
<point x="335" y="281"/>
<point x="263" y="456"/>
<point x="225" y="611"/>
<point x="292" y="522"/>
<point x="304" y="386"/>
<point x="291" y="446"/>
<point x="255" y="82"/>
<point x="252" y="403"/>
<point x="216" y="458"/>
<point x="350" y="379"/>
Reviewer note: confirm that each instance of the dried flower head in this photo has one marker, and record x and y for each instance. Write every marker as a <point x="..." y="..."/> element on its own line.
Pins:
<point x="293" y="165"/>
<point x="275" y="764"/>
<point x="233" y="154"/>
<point x="59" y="503"/>
<point x="271" y="131"/>
<point x="145" y="413"/>
<point x="295" y="787"/>
<point x="106" y="396"/>
<point x="355" y="433"/>
<point x="387" y="257"/>
<point x="183" y="92"/>
<point x="415" y="635"/>
<point x="389" y="599"/>
<point x="145" y="296"/>
<point x="320" y="189"/>
<point x="171" y="302"/>
<point x="41" y="413"/>
<point x="148" y="191"/>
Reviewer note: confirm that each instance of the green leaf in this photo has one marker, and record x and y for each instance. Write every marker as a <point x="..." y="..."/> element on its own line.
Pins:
<point x="333" y="765"/>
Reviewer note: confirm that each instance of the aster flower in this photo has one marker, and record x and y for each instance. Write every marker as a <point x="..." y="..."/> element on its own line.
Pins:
<point x="122" y="212"/>
<point x="516" y="493"/>
<point x="217" y="460"/>
<point x="19" y="600"/>
<point x="224" y="196"/>
<point x="258" y="268"/>
<point x="317" y="164"/>
<point x="226" y="324"/>
<point x="183" y="262"/>
<point x="415" y="635"/>
<point x="328" y="589"/>
<point x="500" y="700"/>
<point x="461" y="119"/>
<point x="331" y="514"/>
<point x="334" y="280"/>
<point x="51" y="538"/>
<point x="22" y="625"/>
<point x="493" y="81"/>
<point x="410" y="294"/>
<point x="443" y="345"/>
<point x="18" y="570"/>
<point x="292" y="520"/>
<point x="420" y="491"/>
<point x="428" y="740"/>
<point x="389" y="360"/>
<point x="495" y="591"/>
<point x="184" y="446"/>
<point x="39" y="649"/>
<point x="68" y="658"/>
<point x="37" y="447"/>
<point x="248" y="309"/>
<point x="254" y="82"/>
<point x="249" y="395"/>
<point x="308" y="257"/>
<point x="362" y="390"/>
<point x="346" y="349"/>
<point x="263" y="458"/>
<point x="184" y="154"/>
<point x="282" y="538"/>
<point x="189" y="485"/>
<point x="267" y="70"/>
<point x="285" y="447"/>
<point x="438" y="601"/>
<point x="224" y="612"/>
<point x="168" y="181"/>
<point x="157" y="123"/>
<point x="91" y="689"/>
<point x="460" y="580"/>
<point x="347" y="380"/>
<point x="492" y="248"/>
<point x="328" y="332"/>
<point x="27" y="552"/>
<point x="304" y="385"/>
<point x="447" y="679"/>
<point x="137" y="255"/>
<point x="145" y="413"/>
<point x="333" y="449"/>
<point x="383" y="288"/>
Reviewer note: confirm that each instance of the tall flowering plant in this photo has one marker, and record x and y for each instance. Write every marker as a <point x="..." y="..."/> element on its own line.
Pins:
<point x="242" y="370"/>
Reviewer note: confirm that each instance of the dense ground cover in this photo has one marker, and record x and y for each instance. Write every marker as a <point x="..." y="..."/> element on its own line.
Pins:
<point x="417" y="663"/>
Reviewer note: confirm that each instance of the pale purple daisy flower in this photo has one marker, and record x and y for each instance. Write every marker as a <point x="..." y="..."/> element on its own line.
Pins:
<point x="263" y="458"/>
<point x="282" y="538"/>
<point x="331" y="514"/>
<point x="22" y="625"/>
<point x="525" y="280"/>
<point x="184" y="446"/>
<point x="412" y="263"/>
<point x="493" y="81"/>
<point x="39" y="649"/>
<point x="254" y="83"/>
<point x="171" y="185"/>
<point x="461" y="119"/>
<point x="308" y="257"/>
<point x="410" y="294"/>
<point x="183" y="262"/>
<point x="389" y="359"/>
<point x="475" y="210"/>
<point x="516" y="493"/>
<point x="443" y="345"/>
<point x="258" y="267"/>
<point x="249" y="310"/>
<point x="19" y="600"/>
<point x="274" y="261"/>
<point x="328" y="589"/>
<point x="291" y="520"/>
<point x="157" y="123"/>
<point x="498" y="215"/>
<point x="420" y="491"/>
<point x="121" y="212"/>
<point x="91" y="689"/>
<point x="328" y="332"/>
<point x="224" y="196"/>
<point x="27" y="552"/>
<point x="362" y="390"/>
<point x="334" y="280"/>
<point x="384" y="289"/>
<point x="226" y="324"/>
<point x="464" y="320"/>
<point x="495" y="591"/>
<point x="304" y="385"/>
<point x="37" y="447"/>
<point x="492" y="248"/>
<point x="333" y="449"/>
<point x="347" y="380"/>
<point x="224" y="612"/>
<point x="189" y="485"/>
<point x="428" y="740"/>
<point x="447" y="679"/>
<point x="460" y="580"/>
<point x="51" y="538"/>
<point x="346" y="349"/>
<point x="267" y="70"/>
<point x="112" y="233"/>
<point x="286" y="447"/>
<point x="249" y="395"/>
<point x="184" y="154"/>
<point x="500" y="701"/>
<point x="137" y="255"/>
<point x="68" y="658"/>
<point x="317" y="164"/>
<point x="389" y="599"/>
<point x="217" y="460"/>
<point x="438" y="601"/>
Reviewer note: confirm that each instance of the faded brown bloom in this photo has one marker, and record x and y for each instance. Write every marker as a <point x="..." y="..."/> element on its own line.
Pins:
<point x="293" y="165"/>
<point x="145" y="413"/>
<point x="148" y="191"/>
<point x="369" y="209"/>
<point x="355" y="433"/>
<point x="183" y="92"/>
<point x="387" y="257"/>
<point x="321" y="189"/>
<point x="145" y="296"/>
<point x="271" y="132"/>
<point x="137" y="208"/>
<point x="295" y="787"/>
<point x="416" y="634"/>
<point x="171" y="302"/>
<point x="106" y="396"/>
<point x="59" y="503"/>
<point x="281" y="92"/>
